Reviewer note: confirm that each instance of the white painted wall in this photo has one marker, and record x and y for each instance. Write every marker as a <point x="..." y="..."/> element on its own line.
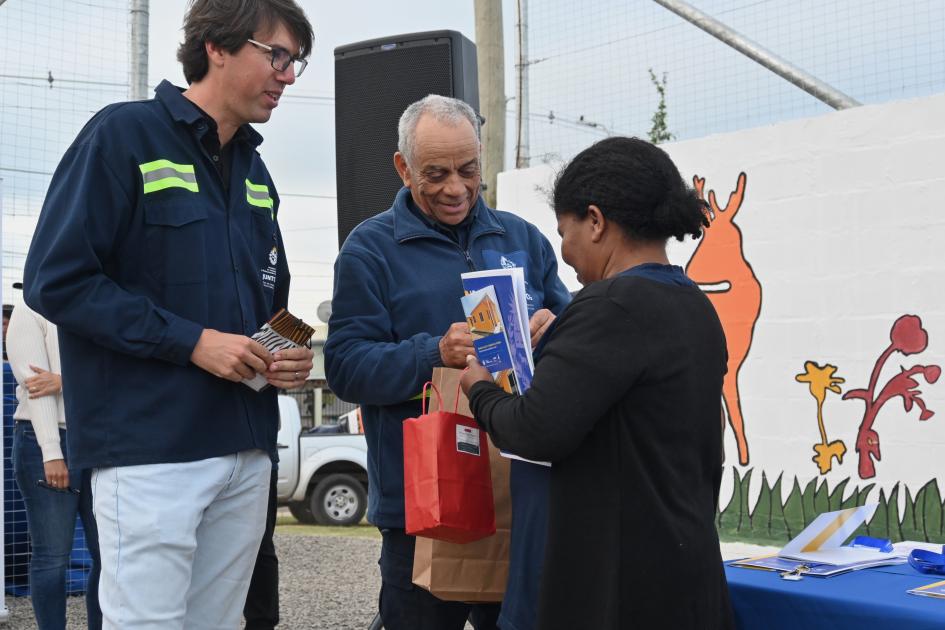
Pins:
<point x="843" y="223"/>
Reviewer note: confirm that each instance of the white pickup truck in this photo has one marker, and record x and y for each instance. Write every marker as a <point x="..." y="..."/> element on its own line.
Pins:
<point x="322" y="471"/>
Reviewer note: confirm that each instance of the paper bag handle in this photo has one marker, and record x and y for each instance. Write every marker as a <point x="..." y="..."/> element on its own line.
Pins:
<point x="423" y="396"/>
<point x="439" y="398"/>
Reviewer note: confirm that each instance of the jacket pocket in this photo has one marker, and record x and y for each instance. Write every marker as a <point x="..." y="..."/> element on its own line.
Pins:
<point x="176" y="241"/>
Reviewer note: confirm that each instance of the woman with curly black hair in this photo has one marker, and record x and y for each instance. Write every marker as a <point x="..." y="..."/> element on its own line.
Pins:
<point x="625" y="403"/>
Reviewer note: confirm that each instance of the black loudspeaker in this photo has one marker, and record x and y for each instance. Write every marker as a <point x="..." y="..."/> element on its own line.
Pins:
<point x="375" y="81"/>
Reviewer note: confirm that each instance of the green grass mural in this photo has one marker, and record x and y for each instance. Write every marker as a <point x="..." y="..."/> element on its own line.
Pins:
<point x="772" y="522"/>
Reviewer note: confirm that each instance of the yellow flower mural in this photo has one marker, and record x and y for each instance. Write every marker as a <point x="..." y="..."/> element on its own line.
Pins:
<point x="822" y="379"/>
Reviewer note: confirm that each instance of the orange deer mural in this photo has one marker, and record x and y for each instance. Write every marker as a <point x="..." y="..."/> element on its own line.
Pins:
<point x="719" y="267"/>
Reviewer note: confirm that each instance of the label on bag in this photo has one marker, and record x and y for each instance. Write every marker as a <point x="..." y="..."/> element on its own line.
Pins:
<point x="467" y="439"/>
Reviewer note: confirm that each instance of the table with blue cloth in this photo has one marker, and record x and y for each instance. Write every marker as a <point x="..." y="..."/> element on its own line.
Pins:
<point x="869" y="598"/>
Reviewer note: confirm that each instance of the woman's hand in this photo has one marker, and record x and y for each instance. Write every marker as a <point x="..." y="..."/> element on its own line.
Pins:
<point x="473" y="373"/>
<point x="45" y="383"/>
<point x="539" y="323"/>
<point x="57" y="475"/>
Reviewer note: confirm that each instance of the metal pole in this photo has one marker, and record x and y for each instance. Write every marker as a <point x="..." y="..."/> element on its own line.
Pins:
<point x="783" y="68"/>
<point x="491" y="62"/>
<point x="138" y="90"/>
<point x="521" y="100"/>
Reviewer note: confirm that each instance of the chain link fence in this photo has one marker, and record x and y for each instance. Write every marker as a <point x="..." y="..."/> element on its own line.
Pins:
<point x="60" y="62"/>
<point x="588" y="64"/>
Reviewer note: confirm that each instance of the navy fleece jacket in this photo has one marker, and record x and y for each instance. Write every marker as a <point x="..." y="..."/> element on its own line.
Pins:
<point x="397" y="290"/>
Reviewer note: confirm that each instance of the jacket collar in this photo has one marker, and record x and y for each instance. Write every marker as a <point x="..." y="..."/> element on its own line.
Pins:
<point x="185" y="111"/>
<point x="408" y="226"/>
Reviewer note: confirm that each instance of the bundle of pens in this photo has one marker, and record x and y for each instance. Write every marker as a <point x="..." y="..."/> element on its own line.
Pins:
<point x="284" y="330"/>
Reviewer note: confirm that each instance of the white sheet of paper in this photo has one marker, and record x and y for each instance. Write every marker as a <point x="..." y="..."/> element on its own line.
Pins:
<point x="828" y="531"/>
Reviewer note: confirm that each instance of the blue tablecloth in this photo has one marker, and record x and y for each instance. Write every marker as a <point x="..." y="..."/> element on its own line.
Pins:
<point x="873" y="599"/>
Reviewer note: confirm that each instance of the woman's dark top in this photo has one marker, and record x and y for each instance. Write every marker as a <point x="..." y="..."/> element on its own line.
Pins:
<point x="626" y="403"/>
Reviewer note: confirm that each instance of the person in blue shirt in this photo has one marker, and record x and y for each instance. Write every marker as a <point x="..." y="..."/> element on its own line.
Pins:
<point x="396" y="314"/>
<point x="158" y="253"/>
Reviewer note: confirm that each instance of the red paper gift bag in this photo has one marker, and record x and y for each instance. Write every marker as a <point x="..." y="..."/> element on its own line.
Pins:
<point x="447" y="480"/>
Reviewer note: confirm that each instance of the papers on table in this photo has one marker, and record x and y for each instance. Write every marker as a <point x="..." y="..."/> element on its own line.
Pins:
<point x="819" y="550"/>
<point x="794" y="567"/>
<point x="935" y="589"/>
<point x="818" y="569"/>
<point x="822" y="541"/>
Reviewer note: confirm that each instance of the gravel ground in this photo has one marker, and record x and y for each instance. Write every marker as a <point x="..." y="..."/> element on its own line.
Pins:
<point x="325" y="582"/>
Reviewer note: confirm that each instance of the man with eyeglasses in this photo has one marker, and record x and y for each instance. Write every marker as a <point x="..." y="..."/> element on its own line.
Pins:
<point x="158" y="253"/>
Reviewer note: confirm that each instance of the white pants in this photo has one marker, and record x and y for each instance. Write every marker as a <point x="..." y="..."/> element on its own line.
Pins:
<point x="179" y="541"/>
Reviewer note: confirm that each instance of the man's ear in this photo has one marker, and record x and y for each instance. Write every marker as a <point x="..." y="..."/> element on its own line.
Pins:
<point x="598" y="222"/>
<point x="400" y="163"/>
<point x="214" y="54"/>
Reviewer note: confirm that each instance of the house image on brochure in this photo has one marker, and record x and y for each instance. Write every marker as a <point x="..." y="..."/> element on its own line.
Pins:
<point x="484" y="319"/>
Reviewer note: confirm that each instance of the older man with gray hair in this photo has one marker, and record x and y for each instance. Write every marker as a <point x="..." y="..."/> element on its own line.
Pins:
<point x="396" y="315"/>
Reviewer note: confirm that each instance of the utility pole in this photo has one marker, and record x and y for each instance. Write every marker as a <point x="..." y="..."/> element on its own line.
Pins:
<point x="521" y="96"/>
<point x="491" y="64"/>
<point x="138" y="89"/>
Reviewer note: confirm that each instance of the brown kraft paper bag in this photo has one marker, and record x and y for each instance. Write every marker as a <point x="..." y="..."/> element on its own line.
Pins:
<point x="476" y="571"/>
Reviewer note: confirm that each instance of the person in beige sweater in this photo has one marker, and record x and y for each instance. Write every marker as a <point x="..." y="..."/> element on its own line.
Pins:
<point x="53" y="494"/>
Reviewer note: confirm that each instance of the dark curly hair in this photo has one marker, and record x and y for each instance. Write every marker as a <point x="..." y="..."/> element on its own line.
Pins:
<point x="636" y="185"/>
<point x="229" y="23"/>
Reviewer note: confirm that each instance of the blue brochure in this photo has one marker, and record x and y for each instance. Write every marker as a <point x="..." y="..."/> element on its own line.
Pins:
<point x="497" y="312"/>
<point x="489" y="339"/>
<point x="508" y="286"/>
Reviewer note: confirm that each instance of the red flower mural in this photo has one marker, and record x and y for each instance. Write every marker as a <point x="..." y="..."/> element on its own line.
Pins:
<point x="906" y="337"/>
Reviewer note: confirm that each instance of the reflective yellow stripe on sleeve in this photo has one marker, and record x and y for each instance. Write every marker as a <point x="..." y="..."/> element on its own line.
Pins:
<point x="258" y="195"/>
<point x="161" y="174"/>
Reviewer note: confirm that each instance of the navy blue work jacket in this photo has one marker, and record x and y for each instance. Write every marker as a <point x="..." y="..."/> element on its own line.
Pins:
<point x="138" y="249"/>
<point x="397" y="290"/>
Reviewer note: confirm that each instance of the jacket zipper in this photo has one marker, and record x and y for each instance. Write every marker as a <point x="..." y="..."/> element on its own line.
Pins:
<point x="469" y="260"/>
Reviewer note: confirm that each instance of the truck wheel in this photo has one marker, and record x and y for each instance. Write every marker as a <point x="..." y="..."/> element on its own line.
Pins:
<point x="339" y="499"/>
<point x="302" y="513"/>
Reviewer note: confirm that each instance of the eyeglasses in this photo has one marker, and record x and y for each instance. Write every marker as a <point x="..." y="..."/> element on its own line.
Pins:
<point x="280" y="59"/>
